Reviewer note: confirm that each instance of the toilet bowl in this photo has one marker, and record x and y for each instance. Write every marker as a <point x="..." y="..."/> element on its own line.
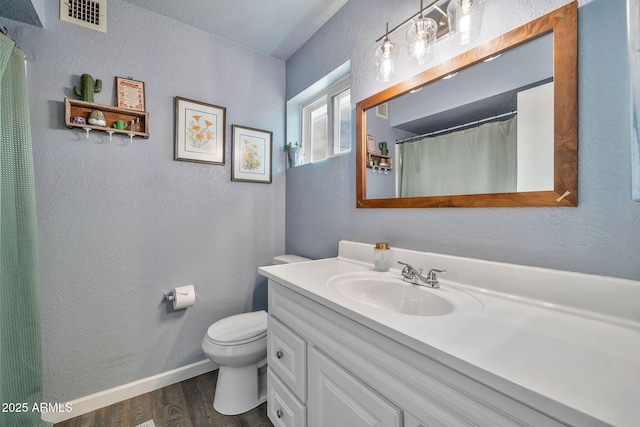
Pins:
<point x="238" y="345"/>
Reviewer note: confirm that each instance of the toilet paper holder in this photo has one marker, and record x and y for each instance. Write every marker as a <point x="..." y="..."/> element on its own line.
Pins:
<point x="181" y="296"/>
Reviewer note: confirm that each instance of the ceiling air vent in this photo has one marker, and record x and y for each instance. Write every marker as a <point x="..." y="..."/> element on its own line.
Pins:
<point x="86" y="13"/>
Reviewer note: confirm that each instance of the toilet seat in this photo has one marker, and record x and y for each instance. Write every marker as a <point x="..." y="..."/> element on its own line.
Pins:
<point x="238" y="329"/>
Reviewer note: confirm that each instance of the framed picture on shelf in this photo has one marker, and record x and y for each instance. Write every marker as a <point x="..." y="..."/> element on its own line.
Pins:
<point x="130" y="94"/>
<point x="371" y="144"/>
<point x="251" y="155"/>
<point x="199" y="132"/>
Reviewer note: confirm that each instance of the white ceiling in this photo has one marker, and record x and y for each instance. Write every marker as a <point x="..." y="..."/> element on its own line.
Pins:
<point x="23" y="11"/>
<point x="277" y="28"/>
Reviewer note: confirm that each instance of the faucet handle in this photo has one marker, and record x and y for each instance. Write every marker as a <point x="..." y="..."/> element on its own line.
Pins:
<point x="432" y="273"/>
<point x="407" y="270"/>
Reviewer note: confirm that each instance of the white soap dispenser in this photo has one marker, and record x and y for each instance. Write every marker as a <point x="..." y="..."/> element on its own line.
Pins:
<point x="382" y="257"/>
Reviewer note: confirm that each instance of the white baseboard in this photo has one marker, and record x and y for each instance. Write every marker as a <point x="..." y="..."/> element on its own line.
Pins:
<point x="104" y="398"/>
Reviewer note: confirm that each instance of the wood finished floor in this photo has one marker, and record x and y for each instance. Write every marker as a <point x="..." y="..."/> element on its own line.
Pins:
<point x="186" y="404"/>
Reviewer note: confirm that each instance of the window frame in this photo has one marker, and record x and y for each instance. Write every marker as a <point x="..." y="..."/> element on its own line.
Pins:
<point x="325" y="97"/>
<point x="336" y="121"/>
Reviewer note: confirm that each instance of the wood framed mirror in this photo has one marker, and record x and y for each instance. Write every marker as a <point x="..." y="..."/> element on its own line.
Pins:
<point x="558" y="187"/>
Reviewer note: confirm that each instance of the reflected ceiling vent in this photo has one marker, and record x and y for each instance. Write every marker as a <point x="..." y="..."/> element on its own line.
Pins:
<point x="382" y="110"/>
<point x="86" y="13"/>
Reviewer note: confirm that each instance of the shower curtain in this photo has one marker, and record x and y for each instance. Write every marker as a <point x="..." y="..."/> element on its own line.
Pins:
<point x="20" y="356"/>
<point x="479" y="160"/>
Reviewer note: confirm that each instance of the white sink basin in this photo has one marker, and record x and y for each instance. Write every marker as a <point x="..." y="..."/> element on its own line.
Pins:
<point x="390" y="293"/>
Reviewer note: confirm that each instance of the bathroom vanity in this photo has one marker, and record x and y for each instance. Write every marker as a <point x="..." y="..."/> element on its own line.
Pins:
<point x="496" y="345"/>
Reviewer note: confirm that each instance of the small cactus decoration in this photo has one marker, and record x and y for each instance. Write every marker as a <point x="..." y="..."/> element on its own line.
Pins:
<point x="89" y="87"/>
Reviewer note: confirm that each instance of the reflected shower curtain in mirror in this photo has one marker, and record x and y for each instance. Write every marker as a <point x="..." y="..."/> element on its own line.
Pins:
<point x="20" y="355"/>
<point x="479" y="160"/>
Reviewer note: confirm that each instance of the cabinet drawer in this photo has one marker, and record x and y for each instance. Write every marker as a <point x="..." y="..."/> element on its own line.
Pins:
<point x="283" y="408"/>
<point x="287" y="357"/>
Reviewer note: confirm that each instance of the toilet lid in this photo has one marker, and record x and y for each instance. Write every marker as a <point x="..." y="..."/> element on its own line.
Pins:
<point x="239" y="328"/>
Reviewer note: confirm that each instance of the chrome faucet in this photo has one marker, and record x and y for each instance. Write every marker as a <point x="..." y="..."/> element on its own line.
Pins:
<point x="415" y="277"/>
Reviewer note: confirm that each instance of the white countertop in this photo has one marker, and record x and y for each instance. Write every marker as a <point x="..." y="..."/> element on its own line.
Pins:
<point x="572" y="364"/>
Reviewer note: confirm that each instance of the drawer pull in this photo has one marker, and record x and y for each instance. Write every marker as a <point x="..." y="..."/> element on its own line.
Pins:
<point x="279" y="413"/>
<point x="279" y="354"/>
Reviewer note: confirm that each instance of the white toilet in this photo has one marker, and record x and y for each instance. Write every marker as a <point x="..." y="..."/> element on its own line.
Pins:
<point x="238" y="344"/>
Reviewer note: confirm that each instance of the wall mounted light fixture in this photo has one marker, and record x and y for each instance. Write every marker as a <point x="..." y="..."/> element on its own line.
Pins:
<point x="462" y="19"/>
<point x="421" y="37"/>
<point x="465" y="20"/>
<point x="385" y="58"/>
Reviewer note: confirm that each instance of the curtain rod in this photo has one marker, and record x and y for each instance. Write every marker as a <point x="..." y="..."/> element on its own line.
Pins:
<point x="5" y="32"/>
<point x="499" y="116"/>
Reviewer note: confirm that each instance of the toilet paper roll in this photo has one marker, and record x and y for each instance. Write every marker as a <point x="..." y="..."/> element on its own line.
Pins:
<point x="183" y="297"/>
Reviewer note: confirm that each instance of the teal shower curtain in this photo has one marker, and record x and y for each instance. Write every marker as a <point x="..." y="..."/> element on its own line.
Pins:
<point x="20" y="356"/>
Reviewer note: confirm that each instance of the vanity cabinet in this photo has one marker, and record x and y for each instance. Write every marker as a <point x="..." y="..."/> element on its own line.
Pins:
<point x="326" y="370"/>
<point x="335" y="397"/>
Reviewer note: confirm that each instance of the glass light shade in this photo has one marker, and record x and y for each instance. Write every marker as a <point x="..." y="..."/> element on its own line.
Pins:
<point x="421" y="37"/>
<point x="465" y="20"/>
<point x="385" y="60"/>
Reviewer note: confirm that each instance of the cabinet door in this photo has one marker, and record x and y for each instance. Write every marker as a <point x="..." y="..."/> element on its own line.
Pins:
<point x="337" y="398"/>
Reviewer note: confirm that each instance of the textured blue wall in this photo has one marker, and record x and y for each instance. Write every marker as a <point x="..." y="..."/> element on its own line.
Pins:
<point x="120" y="223"/>
<point x="601" y="235"/>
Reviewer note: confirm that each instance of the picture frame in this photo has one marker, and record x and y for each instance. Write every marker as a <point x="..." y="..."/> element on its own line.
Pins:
<point x="130" y="94"/>
<point x="633" y="29"/>
<point x="371" y="144"/>
<point x="251" y="155"/>
<point x="200" y="132"/>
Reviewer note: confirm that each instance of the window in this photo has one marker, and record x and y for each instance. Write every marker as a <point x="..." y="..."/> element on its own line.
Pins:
<point x="326" y="123"/>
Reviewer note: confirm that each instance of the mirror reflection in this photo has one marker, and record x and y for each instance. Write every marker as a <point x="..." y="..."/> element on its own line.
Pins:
<point x="487" y="129"/>
<point x="493" y="126"/>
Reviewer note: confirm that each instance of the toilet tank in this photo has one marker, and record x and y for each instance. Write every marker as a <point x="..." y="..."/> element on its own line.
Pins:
<point x="288" y="259"/>
<point x="260" y="293"/>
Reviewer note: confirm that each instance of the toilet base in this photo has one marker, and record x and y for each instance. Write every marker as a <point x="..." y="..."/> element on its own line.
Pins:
<point x="239" y="390"/>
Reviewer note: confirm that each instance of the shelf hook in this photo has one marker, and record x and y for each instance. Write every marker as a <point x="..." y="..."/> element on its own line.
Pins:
<point x="87" y="130"/>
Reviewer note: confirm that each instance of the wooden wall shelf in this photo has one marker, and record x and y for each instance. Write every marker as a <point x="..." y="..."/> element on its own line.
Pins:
<point x="75" y="107"/>
<point x="384" y="162"/>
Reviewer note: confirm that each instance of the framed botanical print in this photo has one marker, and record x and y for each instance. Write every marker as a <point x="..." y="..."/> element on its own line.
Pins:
<point x="199" y="132"/>
<point x="251" y="155"/>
